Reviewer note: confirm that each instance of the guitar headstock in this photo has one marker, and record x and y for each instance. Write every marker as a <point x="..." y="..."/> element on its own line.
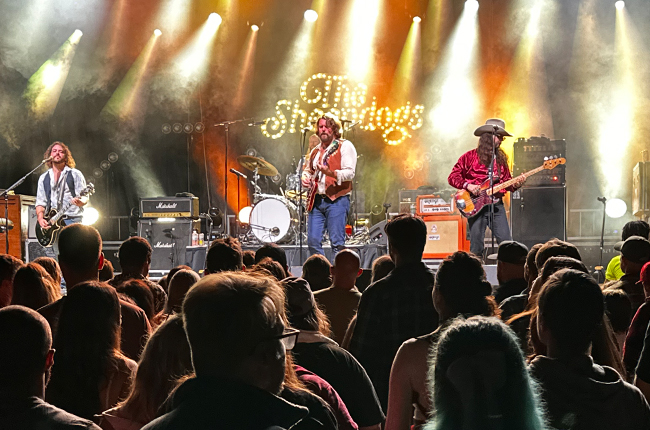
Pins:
<point x="553" y="161"/>
<point x="89" y="190"/>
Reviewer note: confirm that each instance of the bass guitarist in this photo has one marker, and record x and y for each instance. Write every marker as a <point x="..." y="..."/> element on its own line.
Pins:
<point x="62" y="183"/>
<point x="328" y="175"/>
<point x="472" y="169"/>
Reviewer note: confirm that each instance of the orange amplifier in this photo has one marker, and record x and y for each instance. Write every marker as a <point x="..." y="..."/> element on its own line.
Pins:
<point x="432" y="204"/>
<point x="446" y="234"/>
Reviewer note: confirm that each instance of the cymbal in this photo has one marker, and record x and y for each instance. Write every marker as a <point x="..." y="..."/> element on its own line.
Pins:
<point x="8" y="223"/>
<point x="263" y="167"/>
<point x="295" y="195"/>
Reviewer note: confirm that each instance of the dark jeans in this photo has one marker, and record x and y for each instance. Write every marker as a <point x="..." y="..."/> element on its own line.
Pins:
<point x="480" y="221"/>
<point x="331" y="215"/>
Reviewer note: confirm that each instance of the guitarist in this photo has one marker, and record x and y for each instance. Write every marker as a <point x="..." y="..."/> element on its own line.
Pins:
<point x="60" y="184"/>
<point x="331" y="182"/>
<point x="472" y="170"/>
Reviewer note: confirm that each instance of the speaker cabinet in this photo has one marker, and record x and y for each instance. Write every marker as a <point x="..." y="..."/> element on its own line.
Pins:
<point x="168" y="240"/>
<point x="446" y="234"/>
<point x="33" y="250"/>
<point x="538" y="214"/>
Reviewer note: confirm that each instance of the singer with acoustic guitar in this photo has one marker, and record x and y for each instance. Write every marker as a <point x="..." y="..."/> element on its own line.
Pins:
<point x="61" y="186"/>
<point x="328" y="177"/>
<point x="471" y="173"/>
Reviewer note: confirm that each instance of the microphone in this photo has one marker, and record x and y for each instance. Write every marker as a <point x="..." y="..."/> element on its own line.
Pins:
<point x="306" y="129"/>
<point x="238" y="173"/>
<point x="601" y="199"/>
<point x="256" y="123"/>
<point x="48" y="159"/>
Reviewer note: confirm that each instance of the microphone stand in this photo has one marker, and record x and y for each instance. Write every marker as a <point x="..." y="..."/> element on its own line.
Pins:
<point x="226" y="126"/>
<point x="599" y="268"/>
<point x="491" y="172"/>
<point x="301" y="209"/>
<point x="5" y="194"/>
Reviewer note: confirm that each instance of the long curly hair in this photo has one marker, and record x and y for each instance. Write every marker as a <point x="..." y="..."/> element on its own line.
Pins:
<point x="69" y="161"/>
<point x="485" y="151"/>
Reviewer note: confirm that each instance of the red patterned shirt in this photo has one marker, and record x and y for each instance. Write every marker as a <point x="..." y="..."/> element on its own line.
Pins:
<point x="469" y="170"/>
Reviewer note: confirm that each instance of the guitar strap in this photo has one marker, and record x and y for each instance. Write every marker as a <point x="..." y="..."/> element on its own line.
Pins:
<point x="47" y="186"/>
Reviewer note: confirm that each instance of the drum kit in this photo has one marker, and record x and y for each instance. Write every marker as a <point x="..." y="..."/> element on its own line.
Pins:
<point x="272" y="218"/>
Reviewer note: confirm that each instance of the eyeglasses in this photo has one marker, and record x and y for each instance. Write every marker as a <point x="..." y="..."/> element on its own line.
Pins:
<point x="288" y="338"/>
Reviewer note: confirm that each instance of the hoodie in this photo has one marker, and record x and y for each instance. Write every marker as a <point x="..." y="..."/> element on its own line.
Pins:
<point x="580" y="394"/>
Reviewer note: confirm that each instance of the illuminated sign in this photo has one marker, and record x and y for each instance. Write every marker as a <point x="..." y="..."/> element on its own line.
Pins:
<point x="323" y="93"/>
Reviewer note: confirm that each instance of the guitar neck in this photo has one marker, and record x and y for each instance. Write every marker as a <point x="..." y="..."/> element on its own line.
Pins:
<point x="506" y="184"/>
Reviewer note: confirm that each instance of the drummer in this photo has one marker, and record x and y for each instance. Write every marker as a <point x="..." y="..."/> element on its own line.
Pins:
<point x="332" y="181"/>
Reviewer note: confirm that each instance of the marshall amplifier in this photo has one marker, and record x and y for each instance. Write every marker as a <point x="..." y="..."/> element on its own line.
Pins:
<point x="168" y="240"/>
<point x="531" y="153"/>
<point x="169" y="207"/>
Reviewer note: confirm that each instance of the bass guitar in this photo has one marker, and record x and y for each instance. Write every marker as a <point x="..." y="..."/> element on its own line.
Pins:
<point x="469" y="204"/>
<point x="314" y="187"/>
<point x="47" y="236"/>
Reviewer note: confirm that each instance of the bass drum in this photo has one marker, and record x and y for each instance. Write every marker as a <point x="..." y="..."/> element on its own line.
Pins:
<point x="273" y="220"/>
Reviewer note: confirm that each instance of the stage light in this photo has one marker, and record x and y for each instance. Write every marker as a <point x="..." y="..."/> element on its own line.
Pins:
<point x="619" y="5"/>
<point x="615" y="208"/>
<point x="192" y="62"/>
<point x="254" y="27"/>
<point x="362" y="23"/>
<point x="45" y="85"/>
<point x="90" y="216"/>
<point x="311" y="15"/>
<point x="417" y="19"/>
<point x="157" y="32"/>
<point x="214" y="18"/>
<point x="245" y="215"/>
<point x="471" y="5"/>
<point x="409" y="62"/>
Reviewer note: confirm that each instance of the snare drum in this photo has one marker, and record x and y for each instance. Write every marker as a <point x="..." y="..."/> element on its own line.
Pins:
<point x="274" y="219"/>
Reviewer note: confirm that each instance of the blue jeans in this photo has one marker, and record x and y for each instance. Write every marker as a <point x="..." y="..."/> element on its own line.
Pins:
<point x="479" y="222"/>
<point x="331" y="215"/>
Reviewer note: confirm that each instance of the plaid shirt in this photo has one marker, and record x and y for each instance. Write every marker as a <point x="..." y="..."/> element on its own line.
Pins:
<point x="392" y="310"/>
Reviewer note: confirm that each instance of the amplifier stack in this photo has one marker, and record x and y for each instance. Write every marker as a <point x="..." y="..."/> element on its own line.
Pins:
<point x="167" y="223"/>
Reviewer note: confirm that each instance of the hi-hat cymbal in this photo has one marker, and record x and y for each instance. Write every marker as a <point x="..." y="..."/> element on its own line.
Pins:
<point x="6" y="223"/>
<point x="263" y="167"/>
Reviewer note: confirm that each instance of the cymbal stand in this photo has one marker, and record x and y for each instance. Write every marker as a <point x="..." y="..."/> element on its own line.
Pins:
<point x="226" y="126"/>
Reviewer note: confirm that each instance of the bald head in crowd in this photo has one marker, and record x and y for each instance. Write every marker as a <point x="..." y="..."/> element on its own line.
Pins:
<point x="346" y="269"/>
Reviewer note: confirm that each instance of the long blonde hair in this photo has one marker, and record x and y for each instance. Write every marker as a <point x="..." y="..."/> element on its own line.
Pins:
<point x="69" y="161"/>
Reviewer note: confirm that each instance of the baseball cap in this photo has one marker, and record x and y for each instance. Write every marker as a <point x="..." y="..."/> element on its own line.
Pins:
<point x="636" y="249"/>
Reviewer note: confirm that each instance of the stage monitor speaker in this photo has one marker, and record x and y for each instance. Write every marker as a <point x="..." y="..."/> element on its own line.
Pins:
<point x="538" y="214"/>
<point x="446" y="234"/>
<point x="168" y="240"/>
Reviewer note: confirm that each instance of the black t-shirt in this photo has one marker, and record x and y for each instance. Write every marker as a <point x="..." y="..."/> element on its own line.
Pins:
<point x="338" y="367"/>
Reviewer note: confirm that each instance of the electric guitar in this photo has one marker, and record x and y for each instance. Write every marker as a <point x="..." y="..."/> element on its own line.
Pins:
<point x="469" y="204"/>
<point x="314" y="187"/>
<point x="47" y="236"/>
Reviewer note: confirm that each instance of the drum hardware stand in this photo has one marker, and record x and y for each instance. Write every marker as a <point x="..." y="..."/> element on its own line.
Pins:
<point x="226" y="126"/>
<point x="239" y="175"/>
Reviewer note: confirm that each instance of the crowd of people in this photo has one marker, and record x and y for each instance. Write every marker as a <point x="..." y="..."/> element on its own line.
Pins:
<point x="248" y="345"/>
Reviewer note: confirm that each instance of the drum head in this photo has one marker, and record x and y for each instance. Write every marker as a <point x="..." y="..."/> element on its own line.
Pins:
<point x="271" y="220"/>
